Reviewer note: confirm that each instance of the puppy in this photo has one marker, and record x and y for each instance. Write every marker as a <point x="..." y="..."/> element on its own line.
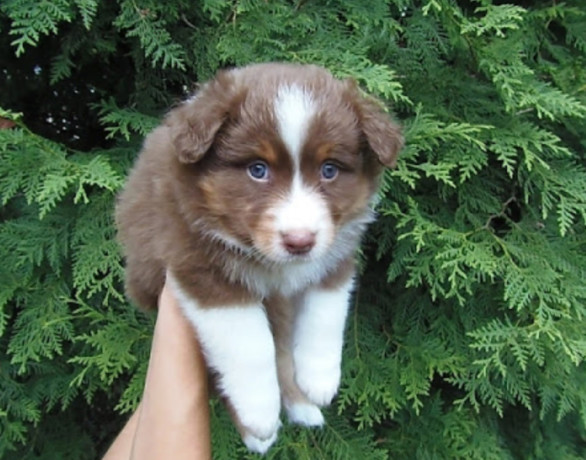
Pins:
<point x="251" y="199"/>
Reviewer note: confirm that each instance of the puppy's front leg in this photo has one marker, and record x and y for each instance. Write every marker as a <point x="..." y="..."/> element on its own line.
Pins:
<point x="282" y="311"/>
<point x="317" y="341"/>
<point x="238" y="345"/>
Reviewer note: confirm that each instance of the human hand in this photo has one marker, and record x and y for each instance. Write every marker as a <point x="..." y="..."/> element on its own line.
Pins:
<point x="172" y="420"/>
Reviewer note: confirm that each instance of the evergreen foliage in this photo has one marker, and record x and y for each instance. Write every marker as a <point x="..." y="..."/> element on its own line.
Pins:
<point x="467" y="335"/>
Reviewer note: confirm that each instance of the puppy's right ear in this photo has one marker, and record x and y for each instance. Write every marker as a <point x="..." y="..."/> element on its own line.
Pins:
<point x="196" y="122"/>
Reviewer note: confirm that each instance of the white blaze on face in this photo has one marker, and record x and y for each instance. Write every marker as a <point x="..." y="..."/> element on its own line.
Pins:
<point x="303" y="209"/>
<point x="294" y="108"/>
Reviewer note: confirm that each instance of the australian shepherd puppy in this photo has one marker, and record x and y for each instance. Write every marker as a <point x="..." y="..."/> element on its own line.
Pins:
<point x="251" y="199"/>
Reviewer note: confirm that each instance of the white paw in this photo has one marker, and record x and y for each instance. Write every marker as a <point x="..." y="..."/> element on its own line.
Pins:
<point x="259" y="414"/>
<point x="305" y="414"/>
<point x="258" y="445"/>
<point x="318" y="379"/>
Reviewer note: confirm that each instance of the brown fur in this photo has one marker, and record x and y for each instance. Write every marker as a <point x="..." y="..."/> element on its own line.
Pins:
<point x="188" y="178"/>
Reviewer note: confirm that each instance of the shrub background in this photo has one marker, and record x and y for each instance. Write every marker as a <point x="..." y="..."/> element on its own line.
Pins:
<point x="468" y="332"/>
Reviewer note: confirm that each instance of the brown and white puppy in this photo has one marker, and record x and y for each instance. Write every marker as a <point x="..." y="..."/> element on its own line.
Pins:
<point x="251" y="198"/>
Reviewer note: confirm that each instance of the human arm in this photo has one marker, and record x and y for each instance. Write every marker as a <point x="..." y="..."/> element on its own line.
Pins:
<point x="172" y="420"/>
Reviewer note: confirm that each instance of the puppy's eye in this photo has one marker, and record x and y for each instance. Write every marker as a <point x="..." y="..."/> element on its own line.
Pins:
<point x="329" y="171"/>
<point x="258" y="170"/>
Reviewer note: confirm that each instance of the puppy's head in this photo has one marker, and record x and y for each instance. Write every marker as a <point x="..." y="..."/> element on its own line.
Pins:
<point x="276" y="159"/>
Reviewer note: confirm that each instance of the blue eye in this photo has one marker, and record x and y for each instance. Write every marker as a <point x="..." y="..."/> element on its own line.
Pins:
<point x="258" y="170"/>
<point x="329" y="171"/>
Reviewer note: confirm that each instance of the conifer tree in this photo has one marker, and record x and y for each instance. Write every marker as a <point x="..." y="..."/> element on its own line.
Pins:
<point x="467" y="336"/>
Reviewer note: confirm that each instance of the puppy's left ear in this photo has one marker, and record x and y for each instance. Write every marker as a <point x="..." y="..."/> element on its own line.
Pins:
<point x="195" y="124"/>
<point x="382" y="134"/>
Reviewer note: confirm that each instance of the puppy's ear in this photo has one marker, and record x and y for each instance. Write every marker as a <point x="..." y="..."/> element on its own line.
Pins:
<point x="196" y="122"/>
<point x="382" y="134"/>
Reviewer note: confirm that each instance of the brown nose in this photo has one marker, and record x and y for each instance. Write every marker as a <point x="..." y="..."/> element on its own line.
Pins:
<point x="298" y="242"/>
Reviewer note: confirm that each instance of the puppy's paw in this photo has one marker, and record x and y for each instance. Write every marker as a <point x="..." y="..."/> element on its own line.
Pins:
<point x="305" y="414"/>
<point x="258" y="445"/>
<point x="318" y="380"/>
<point x="260" y="418"/>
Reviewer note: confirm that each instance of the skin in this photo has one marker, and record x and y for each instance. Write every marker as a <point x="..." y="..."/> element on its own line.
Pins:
<point x="172" y="420"/>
